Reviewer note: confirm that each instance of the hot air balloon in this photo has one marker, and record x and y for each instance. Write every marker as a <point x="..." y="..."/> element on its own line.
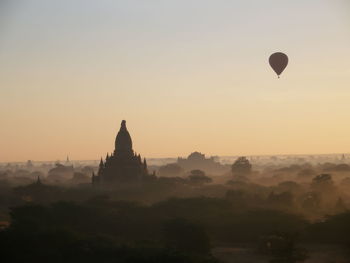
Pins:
<point x="278" y="61"/>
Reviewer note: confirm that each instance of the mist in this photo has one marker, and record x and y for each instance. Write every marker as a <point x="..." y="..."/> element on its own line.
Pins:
<point x="192" y="131"/>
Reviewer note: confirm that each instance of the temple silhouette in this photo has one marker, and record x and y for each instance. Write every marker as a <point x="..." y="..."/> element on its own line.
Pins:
<point x="124" y="165"/>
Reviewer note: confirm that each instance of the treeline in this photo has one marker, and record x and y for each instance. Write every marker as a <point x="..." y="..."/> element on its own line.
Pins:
<point x="176" y="230"/>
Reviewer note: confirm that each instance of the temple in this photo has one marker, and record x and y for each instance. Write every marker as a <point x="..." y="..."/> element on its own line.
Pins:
<point x="123" y="166"/>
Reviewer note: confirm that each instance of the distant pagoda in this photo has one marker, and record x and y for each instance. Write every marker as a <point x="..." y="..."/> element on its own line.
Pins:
<point x="123" y="166"/>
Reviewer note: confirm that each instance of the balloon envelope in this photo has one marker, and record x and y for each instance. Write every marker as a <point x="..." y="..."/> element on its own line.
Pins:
<point x="278" y="61"/>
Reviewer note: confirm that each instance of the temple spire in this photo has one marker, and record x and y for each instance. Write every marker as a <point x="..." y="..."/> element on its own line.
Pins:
<point x="101" y="166"/>
<point x="123" y="142"/>
<point x="145" y="166"/>
<point x="123" y="126"/>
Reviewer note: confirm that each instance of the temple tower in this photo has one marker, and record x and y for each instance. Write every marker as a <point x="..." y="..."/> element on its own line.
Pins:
<point x="123" y="166"/>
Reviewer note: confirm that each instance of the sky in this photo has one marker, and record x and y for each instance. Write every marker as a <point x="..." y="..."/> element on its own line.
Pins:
<point x="186" y="75"/>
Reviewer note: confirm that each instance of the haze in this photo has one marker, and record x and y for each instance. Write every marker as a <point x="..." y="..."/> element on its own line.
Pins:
<point x="186" y="75"/>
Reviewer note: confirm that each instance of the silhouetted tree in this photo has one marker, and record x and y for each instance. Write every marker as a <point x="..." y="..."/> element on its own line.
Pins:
<point x="241" y="168"/>
<point x="324" y="185"/>
<point x="322" y="180"/>
<point x="199" y="177"/>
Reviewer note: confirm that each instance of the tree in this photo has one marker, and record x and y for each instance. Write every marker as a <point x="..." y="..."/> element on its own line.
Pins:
<point x="241" y="168"/>
<point x="323" y="183"/>
<point x="199" y="177"/>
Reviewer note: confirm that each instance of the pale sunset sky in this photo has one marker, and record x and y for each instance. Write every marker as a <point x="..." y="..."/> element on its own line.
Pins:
<point x="186" y="75"/>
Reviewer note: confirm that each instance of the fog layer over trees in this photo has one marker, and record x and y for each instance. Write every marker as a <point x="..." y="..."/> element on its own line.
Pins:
<point x="196" y="209"/>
